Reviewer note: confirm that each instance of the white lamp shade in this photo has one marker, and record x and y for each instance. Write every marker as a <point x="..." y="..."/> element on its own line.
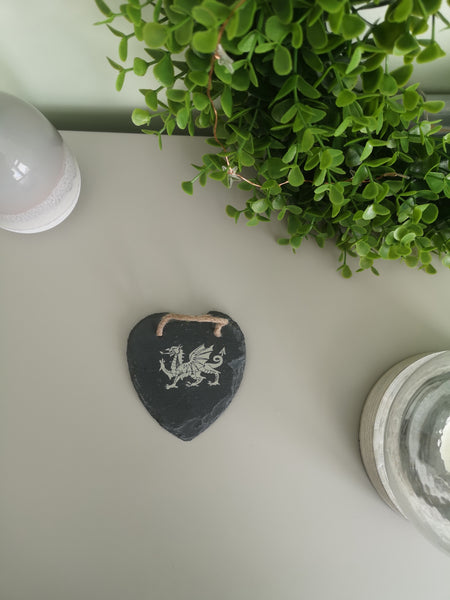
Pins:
<point x="39" y="176"/>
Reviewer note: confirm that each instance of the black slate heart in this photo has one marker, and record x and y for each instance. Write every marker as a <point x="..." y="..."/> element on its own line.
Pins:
<point x="186" y="369"/>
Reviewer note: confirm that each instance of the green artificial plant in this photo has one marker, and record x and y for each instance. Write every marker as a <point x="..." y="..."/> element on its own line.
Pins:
<point x="305" y="112"/>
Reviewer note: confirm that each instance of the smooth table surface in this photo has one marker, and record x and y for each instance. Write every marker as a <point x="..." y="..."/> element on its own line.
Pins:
<point x="270" y="503"/>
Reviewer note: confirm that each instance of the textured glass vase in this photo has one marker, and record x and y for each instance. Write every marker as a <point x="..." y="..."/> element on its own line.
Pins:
<point x="405" y="442"/>
<point x="39" y="176"/>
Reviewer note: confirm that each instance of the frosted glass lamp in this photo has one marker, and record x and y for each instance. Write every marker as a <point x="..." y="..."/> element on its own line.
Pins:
<point x="405" y="442"/>
<point x="39" y="176"/>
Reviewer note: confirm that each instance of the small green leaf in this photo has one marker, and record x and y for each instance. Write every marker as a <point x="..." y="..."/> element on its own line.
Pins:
<point x="201" y="101"/>
<point x="140" y="117"/>
<point x="134" y="13"/>
<point x="312" y="60"/>
<point x="425" y="257"/>
<point x="296" y="35"/>
<point x="104" y="8"/>
<point x="331" y="6"/>
<point x="199" y="78"/>
<point x="434" y="106"/>
<point x="307" y="141"/>
<point x="183" y="34"/>
<point x="410" y="99"/>
<point x="289" y="154"/>
<point x="226" y="101"/>
<point x="431" y="6"/>
<point x="163" y="71"/>
<point x="367" y="151"/>
<point x="402" y="74"/>
<point x="223" y="73"/>
<point x="352" y="26"/>
<point x="354" y="60"/>
<point x="402" y="11"/>
<point x="316" y="35"/>
<point x="155" y="34"/>
<point x="123" y="49"/>
<point x="289" y="114"/>
<point x="240" y="80"/>
<point x="411" y="260"/>
<point x="120" y="80"/>
<point x="345" y="97"/>
<point x="252" y="74"/>
<point x="326" y="159"/>
<point x="114" y="64"/>
<point x="245" y="14"/>
<point x="386" y="34"/>
<point x="176" y="95"/>
<point x="245" y="158"/>
<point x="346" y="272"/>
<point x="140" y="66"/>
<point x="362" y="248"/>
<point x="294" y="209"/>
<point x="431" y="52"/>
<point x="292" y="224"/>
<point x="295" y="176"/>
<point x="313" y="160"/>
<point x="369" y="213"/>
<point x="282" y="61"/>
<point x="288" y="86"/>
<point x="115" y="32"/>
<point x="371" y="80"/>
<point x="336" y="194"/>
<point x="284" y="10"/>
<point x="248" y="42"/>
<point x="260" y="205"/>
<point x="151" y="99"/>
<point x="362" y="173"/>
<point x="370" y="191"/>
<point x="275" y="29"/>
<point x="446" y="260"/>
<point x="205" y="41"/>
<point x="276" y="168"/>
<point x="230" y="210"/>
<point x="343" y="126"/>
<point x="188" y="187"/>
<point x="265" y="47"/>
<point x="253" y="221"/>
<point x="405" y="44"/>
<point x="307" y="89"/>
<point x="430" y="214"/>
<point x="435" y="181"/>
<point x="204" y="16"/>
<point x="182" y="117"/>
<point x="296" y="241"/>
<point x="388" y="85"/>
<point x="381" y="210"/>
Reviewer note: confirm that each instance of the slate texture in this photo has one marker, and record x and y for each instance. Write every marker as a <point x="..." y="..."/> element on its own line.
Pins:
<point x="187" y="377"/>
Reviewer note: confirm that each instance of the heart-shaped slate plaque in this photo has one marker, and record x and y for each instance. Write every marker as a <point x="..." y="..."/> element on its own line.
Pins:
<point x="186" y="369"/>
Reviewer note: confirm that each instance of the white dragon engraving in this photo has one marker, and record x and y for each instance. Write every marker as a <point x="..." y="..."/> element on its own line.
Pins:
<point x="196" y="368"/>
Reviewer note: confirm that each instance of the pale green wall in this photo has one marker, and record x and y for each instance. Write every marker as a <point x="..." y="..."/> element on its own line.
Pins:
<point x="53" y="56"/>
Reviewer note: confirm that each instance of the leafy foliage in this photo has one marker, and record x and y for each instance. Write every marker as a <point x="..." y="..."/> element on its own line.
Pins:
<point x="299" y="96"/>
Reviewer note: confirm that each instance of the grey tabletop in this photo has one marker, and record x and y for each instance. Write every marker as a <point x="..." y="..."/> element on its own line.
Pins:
<point x="271" y="502"/>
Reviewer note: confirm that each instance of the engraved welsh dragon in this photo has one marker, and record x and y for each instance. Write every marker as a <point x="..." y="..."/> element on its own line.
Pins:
<point x="196" y="368"/>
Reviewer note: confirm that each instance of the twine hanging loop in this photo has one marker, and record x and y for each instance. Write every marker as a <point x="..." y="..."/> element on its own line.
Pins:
<point x="219" y="322"/>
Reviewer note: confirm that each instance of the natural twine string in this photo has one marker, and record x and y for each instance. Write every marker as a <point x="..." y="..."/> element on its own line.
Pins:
<point x="219" y="322"/>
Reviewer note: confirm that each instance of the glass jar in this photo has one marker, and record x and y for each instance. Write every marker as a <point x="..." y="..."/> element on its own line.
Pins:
<point x="39" y="176"/>
<point x="405" y="442"/>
